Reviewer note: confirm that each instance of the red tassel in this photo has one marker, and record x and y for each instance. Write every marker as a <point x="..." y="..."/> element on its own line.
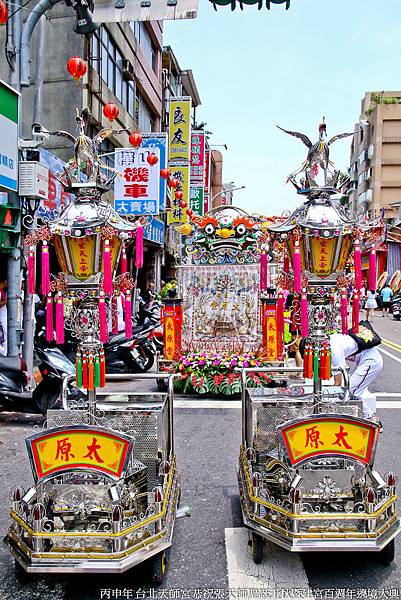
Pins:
<point x="263" y="271"/>
<point x="102" y="369"/>
<point x="344" y="312"/>
<point x="59" y="319"/>
<point x="308" y="362"/>
<point x="102" y="319"/>
<point x="45" y="270"/>
<point x="358" y="266"/>
<point x="123" y="262"/>
<point x="31" y="270"/>
<point x="128" y="316"/>
<point x="297" y="269"/>
<point x="114" y="316"/>
<point x="304" y="314"/>
<point x="372" y="270"/>
<point x="139" y="247"/>
<point x="84" y="371"/>
<point x="49" y="319"/>
<point x="355" y="313"/>
<point x="107" y="274"/>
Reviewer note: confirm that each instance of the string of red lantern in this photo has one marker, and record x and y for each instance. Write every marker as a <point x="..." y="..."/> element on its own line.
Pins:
<point x="76" y="67"/>
<point x="111" y="111"/>
<point x="135" y="139"/>
<point x="152" y="159"/>
<point x="3" y="13"/>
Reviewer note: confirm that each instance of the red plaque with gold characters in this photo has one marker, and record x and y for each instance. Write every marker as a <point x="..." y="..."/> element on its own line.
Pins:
<point x="79" y="447"/>
<point x="329" y="435"/>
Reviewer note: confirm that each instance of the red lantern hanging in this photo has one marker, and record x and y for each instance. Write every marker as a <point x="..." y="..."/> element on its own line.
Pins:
<point x="179" y="194"/>
<point x="173" y="182"/>
<point x="3" y="13"/>
<point x="152" y="159"/>
<point x="135" y="139"/>
<point x="76" y="67"/>
<point x="183" y="204"/>
<point x="110" y="111"/>
<point x="165" y="173"/>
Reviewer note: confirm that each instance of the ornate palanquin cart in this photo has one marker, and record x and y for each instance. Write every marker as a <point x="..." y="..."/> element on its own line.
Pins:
<point x="106" y="487"/>
<point x="306" y="466"/>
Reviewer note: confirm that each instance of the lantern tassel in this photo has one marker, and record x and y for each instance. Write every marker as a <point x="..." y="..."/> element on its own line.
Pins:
<point x="91" y="373"/>
<point x="358" y="266"/>
<point x="78" y="366"/>
<point x="114" y="316"/>
<point x="280" y="323"/>
<point x="97" y="370"/>
<point x="59" y="319"/>
<point x="308" y="362"/>
<point x="355" y="313"/>
<point x="263" y="271"/>
<point x="102" y="369"/>
<point x="31" y="270"/>
<point x="123" y="262"/>
<point x="107" y="274"/>
<point x="45" y="270"/>
<point x="128" y="316"/>
<point x="344" y="313"/>
<point x="304" y="314"/>
<point x="84" y="371"/>
<point x="139" y="247"/>
<point x="297" y="269"/>
<point x="49" y="319"/>
<point x="372" y="270"/>
<point x="102" y="319"/>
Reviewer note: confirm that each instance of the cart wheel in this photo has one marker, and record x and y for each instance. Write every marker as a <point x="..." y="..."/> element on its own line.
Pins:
<point x="161" y="385"/>
<point x="386" y="556"/>
<point x="257" y="548"/>
<point x="159" y="565"/>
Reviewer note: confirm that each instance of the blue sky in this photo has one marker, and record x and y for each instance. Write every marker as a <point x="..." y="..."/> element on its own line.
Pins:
<point x="254" y="69"/>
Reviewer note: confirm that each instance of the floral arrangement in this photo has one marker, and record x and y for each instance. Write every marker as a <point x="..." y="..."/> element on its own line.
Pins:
<point x="215" y="374"/>
<point x="169" y="289"/>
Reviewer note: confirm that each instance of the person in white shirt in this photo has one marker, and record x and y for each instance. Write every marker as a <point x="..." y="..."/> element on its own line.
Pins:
<point x="369" y="364"/>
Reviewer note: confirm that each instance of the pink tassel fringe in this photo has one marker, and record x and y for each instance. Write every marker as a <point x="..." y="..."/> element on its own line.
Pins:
<point x="114" y="318"/>
<point x="372" y="270"/>
<point x="128" y="316"/>
<point x="123" y="262"/>
<point x="297" y="269"/>
<point x="59" y="319"/>
<point x="45" y="270"/>
<point x="102" y="319"/>
<point x="31" y="271"/>
<point x="263" y="271"/>
<point x="139" y="248"/>
<point x="355" y="313"/>
<point x="107" y="275"/>
<point x="344" y="313"/>
<point x="49" y="319"/>
<point x="358" y="266"/>
<point x="304" y="315"/>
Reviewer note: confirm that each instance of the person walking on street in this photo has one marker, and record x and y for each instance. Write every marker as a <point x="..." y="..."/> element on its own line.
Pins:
<point x="370" y="304"/>
<point x="386" y="295"/>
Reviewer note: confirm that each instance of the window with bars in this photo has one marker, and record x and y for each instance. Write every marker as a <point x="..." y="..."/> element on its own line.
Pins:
<point x="107" y="62"/>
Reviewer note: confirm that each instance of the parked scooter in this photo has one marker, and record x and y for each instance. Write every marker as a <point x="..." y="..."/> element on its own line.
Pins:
<point x="15" y="385"/>
<point x="396" y="307"/>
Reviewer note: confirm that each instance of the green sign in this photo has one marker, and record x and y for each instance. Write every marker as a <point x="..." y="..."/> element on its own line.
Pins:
<point x="9" y="102"/>
<point x="196" y="199"/>
<point x="240" y="3"/>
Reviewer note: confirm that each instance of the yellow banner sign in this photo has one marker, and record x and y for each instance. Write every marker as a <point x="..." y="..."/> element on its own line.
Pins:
<point x="177" y="214"/>
<point x="169" y="338"/>
<point x="271" y="334"/>
<point x="179" y="131"/>
<point x="318" y="436"/>
<point x="79" y="447"/>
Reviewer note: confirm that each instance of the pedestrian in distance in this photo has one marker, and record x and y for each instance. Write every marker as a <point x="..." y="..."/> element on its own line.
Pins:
<point x="386" y="295"/>
<point x="370" y="304"/>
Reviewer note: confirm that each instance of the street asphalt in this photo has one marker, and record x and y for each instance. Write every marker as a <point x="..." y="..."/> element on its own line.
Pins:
<point x="210" y="555"/>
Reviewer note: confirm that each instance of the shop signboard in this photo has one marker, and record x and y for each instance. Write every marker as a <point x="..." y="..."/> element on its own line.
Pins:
<point x="9" y="115"/>
<point x="154" y="231"/>
<point x="158" y="140"/>
<point x="179" y="129"/>
<point x="196" y="199"/>
<point x="177" y="214"/>
<point x="114" y="11"/>
<point x="137" y="185"/>
<point x="197" y="157"/>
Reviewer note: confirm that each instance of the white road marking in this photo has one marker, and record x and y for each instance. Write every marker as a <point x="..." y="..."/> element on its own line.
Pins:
<point x="390" y="355"/>
<point x="387" y="394"/>
<point x="388" y="404"/>
<point x="279" y="569"/>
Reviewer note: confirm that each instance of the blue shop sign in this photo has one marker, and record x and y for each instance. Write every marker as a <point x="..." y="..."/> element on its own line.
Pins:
<point x="154" y="232"/>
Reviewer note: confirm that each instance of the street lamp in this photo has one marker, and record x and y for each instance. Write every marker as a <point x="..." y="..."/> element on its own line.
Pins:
<point x="224" y="191"/>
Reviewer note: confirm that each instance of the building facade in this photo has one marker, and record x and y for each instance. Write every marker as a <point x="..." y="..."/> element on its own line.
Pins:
<point x="375" y="161"/>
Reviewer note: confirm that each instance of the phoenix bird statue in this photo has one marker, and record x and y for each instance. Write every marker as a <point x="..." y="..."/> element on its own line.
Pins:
<point x="318" y="153"/>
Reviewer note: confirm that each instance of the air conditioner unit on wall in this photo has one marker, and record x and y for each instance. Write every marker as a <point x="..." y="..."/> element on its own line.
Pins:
<point x="33" y="180"/>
